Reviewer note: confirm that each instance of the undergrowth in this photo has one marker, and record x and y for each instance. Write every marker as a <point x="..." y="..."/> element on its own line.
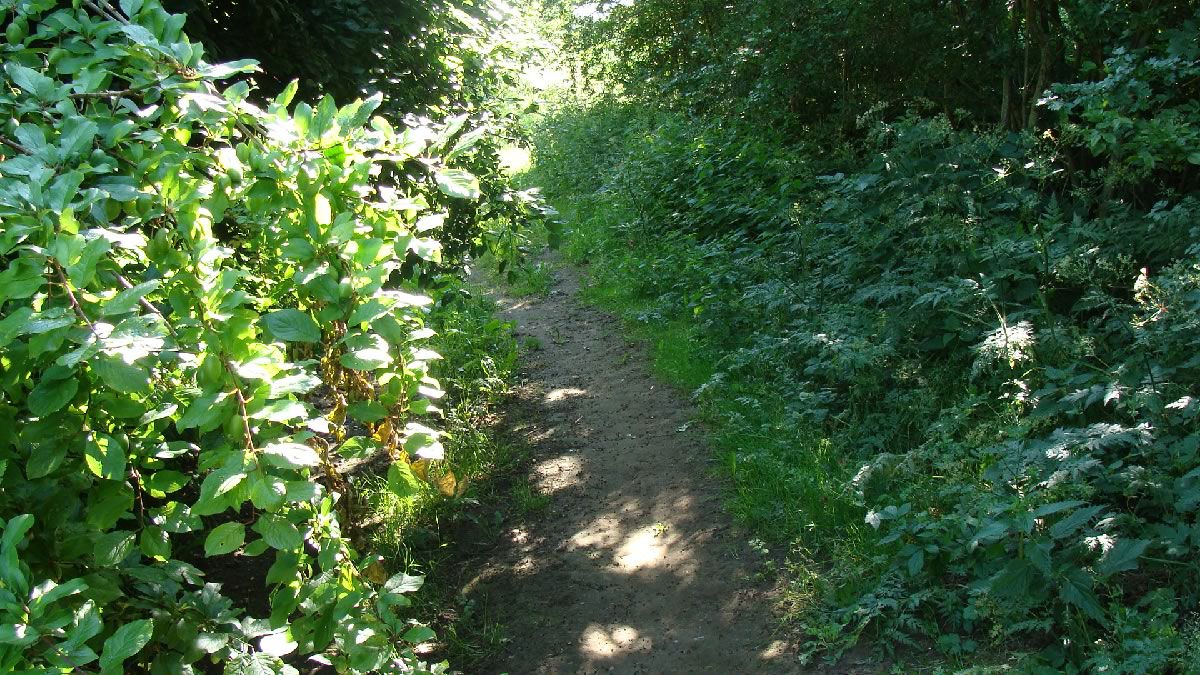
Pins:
<point x="432" y="534"/>
<point x="955" y="380"/>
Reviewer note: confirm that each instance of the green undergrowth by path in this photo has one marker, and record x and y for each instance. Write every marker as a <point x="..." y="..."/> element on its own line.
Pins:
<point x="757" y="443"/>
<point x="433" y="533"/>
<point x="971" y="438"/>
<point x="786" y="477"/>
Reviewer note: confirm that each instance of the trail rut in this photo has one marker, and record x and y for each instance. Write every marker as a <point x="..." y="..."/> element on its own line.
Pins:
<point x="635" y="567"/>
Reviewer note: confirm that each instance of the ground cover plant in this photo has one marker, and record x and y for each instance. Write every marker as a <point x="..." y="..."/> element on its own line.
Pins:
<point x="946" y="343"/>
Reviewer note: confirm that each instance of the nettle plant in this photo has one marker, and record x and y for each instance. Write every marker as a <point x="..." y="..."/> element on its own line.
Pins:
<point x="206" y="310"/>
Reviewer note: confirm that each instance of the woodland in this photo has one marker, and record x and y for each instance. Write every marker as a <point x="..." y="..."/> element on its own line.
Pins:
<point x="929" y="269"/>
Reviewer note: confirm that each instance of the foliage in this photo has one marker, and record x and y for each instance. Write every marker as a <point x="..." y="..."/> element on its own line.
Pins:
<point x="426" y="56"/>
<point x="950" y="361"/>
<point x="210" y="309"/>
<point x="801" y="64"/>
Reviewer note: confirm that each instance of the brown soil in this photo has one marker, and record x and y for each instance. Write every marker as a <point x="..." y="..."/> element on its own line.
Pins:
<point x="634" y="567"/>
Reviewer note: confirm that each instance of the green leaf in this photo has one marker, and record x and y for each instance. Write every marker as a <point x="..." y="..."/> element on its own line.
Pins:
<point x="282" y="410"/>
<point x="367" y="411"/>
<point x="18" y="634"/>
<point x="1075" y="588"/>
<point x="44" y="459"/>
<point x="1123" y="556"/>
<point x="358" y="447"/>
<point x="88" y="624"/>
<point x="467" y="141"/>
<point x="78" y="136"/>
<point x="303" y="492"/>
<point x="155" y="543"/>
<point x="369" y="311"/>
<point x="291" y="455"/>
<point x="14" y="324"/>
<point x="210" y="643"/>
<point x="122" y="376"/>
<point x="113" y="547"/>
<point x="369" y="352"/>
<point x="284" y="99"/>
<point x="126" y="642"/>
<point x="29" y="79"/>
<point x="292" y="325"/>
<point x="176" y="518"/>
<point x="10" y="569"/>
<point x="916" y="562"/>
<point x="109" y="502"/>
<point x="279" y="532"/>
<point x="51" y="395"/>
<point x="256" y="548"/>
<point x="1048" y="509"/>
<point x="104" y="457"/>
<point x="419" y="634"/>
<point x="129" y="298"/>
<point x="256" y="663"/>
<point x="401" y="480"/>
<point x="300" y="383"/>
<point x="140" y="35"/>
<point x="1015" y="579"/>
<point x="205" y="412"/>
<point x="268" y="493"/>
<point x="225" y="538"/>
<point x="219" y="71"/>
<point x="164" y="482"/>
<point x="458" y="183"/>
<point x="403" y="583"/>
<point x="1073" y="521"/>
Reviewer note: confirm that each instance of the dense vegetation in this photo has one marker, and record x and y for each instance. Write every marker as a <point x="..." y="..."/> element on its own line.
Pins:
<point x="217" y="308"/>
<point x="932" y="270"/>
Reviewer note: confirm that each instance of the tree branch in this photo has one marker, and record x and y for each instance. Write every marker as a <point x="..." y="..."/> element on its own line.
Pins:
<point x="15" y="145"/>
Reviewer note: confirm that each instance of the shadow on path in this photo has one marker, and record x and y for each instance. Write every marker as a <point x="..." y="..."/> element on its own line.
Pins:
<point x="635" y="568"/>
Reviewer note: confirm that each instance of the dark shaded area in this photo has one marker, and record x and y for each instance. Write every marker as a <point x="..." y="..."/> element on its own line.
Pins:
<point x="344" y="48"/>
<point x="805" y="62"/>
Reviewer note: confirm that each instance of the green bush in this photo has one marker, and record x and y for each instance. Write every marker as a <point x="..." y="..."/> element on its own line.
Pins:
<point x="209" y="308"/>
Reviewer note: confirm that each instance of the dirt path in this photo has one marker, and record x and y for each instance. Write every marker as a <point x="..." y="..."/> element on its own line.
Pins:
<point x="634" y="567"/>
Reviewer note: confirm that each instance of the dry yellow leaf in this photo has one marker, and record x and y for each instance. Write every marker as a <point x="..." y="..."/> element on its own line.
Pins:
<point x="376" y="572"/>
<point x="447" y="484"/>
<point x="383" y="432"/>
<point x="421" y="469"/>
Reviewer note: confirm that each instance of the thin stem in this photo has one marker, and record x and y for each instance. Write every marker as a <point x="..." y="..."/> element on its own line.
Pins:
<point x="113" y="93"/>
<point x="104" y="10"/>
<point x="241" y="399"/>
<point x="15" y="145"/>
<point x="62" y="277"/>
<point x="149" y="306"/>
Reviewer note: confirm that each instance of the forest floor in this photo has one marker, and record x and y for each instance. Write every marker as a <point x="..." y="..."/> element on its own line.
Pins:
<point x="633" y="566"/>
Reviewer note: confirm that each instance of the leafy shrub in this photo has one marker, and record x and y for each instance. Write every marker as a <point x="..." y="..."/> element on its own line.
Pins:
<point x="209" y="308"/>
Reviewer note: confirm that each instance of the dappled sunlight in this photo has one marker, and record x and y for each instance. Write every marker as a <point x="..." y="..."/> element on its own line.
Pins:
<point x="604" y="642"/>
<point x="557" y="473"/>
<point x="628" y="570"/>
<point x="646" y="548"/>
<point x="775" y="650"/>
<point x="515" y="305"/>
<point x="563" y="393"/>
<point x="603" y="532"/>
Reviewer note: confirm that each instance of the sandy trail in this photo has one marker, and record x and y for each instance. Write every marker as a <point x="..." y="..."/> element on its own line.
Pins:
<point x="635" y="567"/>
